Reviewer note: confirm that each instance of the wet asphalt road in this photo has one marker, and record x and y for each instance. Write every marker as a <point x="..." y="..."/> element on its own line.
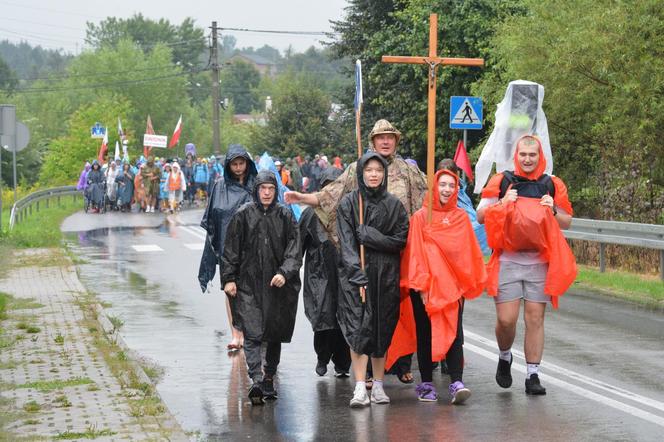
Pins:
<point x="603" y="364"/>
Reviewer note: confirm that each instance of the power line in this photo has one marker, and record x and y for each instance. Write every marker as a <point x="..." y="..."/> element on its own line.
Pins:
<point x="49" y="25"/>
<point x="273" y="31"/>
<point x="102" y="85"/>
<point x="51" y="10"/>
<point x="100" y="74"/>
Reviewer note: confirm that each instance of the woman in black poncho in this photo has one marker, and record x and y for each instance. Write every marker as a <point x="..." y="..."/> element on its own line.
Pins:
<point x="368" y="326"/>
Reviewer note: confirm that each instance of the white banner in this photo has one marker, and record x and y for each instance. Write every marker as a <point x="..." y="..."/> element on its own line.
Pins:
<point x="155" y="140"/>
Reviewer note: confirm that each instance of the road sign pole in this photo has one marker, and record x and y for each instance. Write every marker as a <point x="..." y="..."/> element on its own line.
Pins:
<point x="14" y="155"/>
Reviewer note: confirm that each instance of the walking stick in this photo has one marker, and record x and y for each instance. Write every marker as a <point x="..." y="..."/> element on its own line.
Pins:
<point x="358" y="137"/>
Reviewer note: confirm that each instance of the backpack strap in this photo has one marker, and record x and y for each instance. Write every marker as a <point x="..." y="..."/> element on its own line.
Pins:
<point x="548" y="182"/>
<point x="508" y="178"/>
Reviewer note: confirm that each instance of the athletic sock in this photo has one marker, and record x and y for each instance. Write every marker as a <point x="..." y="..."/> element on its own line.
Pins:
<point x="532" y="369"/>
<point x="364" y="384"/>
<point x="505" y="355"/>
<point x="378" y="383"/>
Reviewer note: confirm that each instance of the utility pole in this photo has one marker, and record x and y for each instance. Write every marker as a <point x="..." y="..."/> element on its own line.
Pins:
<point x="214" y="60"/>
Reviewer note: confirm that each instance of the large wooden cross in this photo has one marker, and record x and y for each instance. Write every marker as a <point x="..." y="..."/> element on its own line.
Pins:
<point x="433" y="61"/>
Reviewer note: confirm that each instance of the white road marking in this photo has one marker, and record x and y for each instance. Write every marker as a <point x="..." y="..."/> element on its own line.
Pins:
<point x="147" y="248"/>
<point x="196" y="231"/>
<point x="195" y="246"/>
<point x="576" y="389"/>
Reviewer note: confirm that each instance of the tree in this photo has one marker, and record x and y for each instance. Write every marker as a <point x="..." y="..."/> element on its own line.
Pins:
<point x="67" y="154"/>
<point x="8" y="79"/>
<point x="238" y="83"/>
<point x="186" y="40"/>
<point x="602" y="66"/>
<point x="399" y="92"/>
<point x="298" y="123"/>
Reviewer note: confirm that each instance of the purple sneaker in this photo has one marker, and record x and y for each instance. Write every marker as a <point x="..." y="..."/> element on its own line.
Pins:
<point x="459" y="393"/>
<point x="426" y="392"/>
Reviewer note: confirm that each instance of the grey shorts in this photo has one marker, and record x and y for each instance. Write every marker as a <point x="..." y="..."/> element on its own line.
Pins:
<point x="517" y="281"/>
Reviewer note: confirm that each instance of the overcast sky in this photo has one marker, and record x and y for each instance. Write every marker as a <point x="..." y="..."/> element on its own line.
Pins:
<point x="61" y="24"/>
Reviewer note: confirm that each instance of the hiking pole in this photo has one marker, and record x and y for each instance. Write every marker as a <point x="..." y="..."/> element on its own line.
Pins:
<point x="358" y="137"/>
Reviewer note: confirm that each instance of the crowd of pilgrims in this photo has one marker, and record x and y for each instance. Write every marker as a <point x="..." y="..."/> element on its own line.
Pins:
<point x="156" y="184"/>
<point x="382" y="281"/>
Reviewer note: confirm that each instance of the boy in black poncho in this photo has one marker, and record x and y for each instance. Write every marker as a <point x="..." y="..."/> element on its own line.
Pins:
<point x="368" y="326"/>
<point x="261" y="269"/>
<point x="321" y="288"/>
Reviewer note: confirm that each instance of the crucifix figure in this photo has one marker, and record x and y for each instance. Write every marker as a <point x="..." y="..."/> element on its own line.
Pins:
<point x="433" y="61"/>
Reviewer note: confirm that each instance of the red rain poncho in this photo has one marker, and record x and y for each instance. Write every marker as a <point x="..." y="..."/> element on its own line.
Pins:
<point x="527" y="225"/>
<point x="443" y="259"/>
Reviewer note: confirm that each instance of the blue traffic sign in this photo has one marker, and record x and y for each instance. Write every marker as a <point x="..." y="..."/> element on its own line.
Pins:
<point x="97" y="131"/>
<point x="466" y="113"/>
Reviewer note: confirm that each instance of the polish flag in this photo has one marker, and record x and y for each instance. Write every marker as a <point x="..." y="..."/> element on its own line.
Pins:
<point x="176" y="134"/>
<point x="461" y="159"/>
<point x="103" y="149"/>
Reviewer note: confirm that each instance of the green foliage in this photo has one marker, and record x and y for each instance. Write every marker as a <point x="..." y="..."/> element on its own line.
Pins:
<point x="298" y="122"/>
<point x="398" y="92"/>
<point x="602" y="66"/>
<point x="238" y="83"/>
<point x="186" y="39"/>
<point x="67" y="155"/>
<point x="29" y="62"/>
<point x="8" y="80"/>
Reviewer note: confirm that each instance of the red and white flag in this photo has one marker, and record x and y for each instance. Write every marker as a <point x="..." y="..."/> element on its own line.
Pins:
<point x="103" y="149"/>
<point x="176" y="134"/>
<point x="148" y="130"/>
<point x="461" y="159"/>
<point x="121" y="133"/>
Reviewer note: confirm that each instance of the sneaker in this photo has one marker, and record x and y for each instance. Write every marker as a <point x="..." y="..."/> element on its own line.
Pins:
<point x="341" y="373"/>
<point x="378" y="395"/>
<point x="256" y="394"/>
<point x="459" y="393"/>
<point x="503" y="373"/>
<point x="426" y="392"/>
<point x="321" y="368"/>
<point x="269" y="392"/>
<point x="534" y="387"/>
<point x="360" y="397"/>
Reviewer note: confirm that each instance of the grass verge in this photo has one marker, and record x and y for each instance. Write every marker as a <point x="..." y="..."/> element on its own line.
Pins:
<point x="41" y="229"/>
<point x="648" y="290"/>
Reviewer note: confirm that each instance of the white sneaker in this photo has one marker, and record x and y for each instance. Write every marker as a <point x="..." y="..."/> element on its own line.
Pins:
<point x="378" y="395"/>
<point x="360" y="397"/>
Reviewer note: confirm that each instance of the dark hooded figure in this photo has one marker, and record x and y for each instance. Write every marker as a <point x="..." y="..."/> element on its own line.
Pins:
<point x="261" y="270"/>
<point x="368" y="326"/>
<point x="321" y="288"/>
<point x="95" y="187"/>
<point x="125" y="180"/>
<point x="226" y="197"/>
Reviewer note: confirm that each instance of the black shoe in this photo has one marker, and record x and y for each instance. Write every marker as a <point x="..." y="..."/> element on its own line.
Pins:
<point x="268" y="389"/>
<point x="534" y="387"/>
<point x="256" y="394"/>
<point x="341" y="373"/>
<point x="321" y="368"/>
<point x="503" y="374"/>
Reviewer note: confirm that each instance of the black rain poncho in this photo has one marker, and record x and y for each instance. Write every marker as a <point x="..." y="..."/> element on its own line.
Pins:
<point x="95" y="189"/>
<point x="226" y="197"/>
<point x="368" y="327"/>
<point x="259" y="244"/>
<point x="125" y="180"/>
<point x="320" y="289"/>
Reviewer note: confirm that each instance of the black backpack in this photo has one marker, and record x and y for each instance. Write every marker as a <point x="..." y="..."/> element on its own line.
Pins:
<point x="525" y="187"/>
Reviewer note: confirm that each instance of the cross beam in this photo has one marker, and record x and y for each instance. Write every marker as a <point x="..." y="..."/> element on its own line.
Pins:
<point x="433" y="61"/>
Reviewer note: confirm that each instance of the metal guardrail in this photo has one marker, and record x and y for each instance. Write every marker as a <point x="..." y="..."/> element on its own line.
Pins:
<point x="24" y="207"/>
<point x="650" y="236"/>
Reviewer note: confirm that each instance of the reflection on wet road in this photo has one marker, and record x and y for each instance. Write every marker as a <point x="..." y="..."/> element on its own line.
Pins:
<point x="169" y="321"/>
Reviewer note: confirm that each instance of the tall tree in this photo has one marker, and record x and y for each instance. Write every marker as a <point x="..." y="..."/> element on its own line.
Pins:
<point x="186" y="39"/>
<point x="239" y="81"/>
<point x="8" y="79"/>
<point x="602" y="65"/>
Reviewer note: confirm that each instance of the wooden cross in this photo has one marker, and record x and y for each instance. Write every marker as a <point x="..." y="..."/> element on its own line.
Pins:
<point x="433" y="61"/>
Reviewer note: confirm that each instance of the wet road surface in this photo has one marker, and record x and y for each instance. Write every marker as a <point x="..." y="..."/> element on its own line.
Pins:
<point x="603" y="364"/>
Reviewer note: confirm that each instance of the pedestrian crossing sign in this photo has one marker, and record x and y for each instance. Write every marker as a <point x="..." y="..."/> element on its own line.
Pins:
<point x="465" y="112"/>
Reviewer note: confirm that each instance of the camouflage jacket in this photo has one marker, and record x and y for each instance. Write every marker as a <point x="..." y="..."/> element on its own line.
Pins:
<point x="404" y="181"/>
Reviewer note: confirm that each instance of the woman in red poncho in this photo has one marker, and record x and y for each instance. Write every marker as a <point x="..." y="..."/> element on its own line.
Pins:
<point x="441" y="266"/>
<point x="523" y="212"/>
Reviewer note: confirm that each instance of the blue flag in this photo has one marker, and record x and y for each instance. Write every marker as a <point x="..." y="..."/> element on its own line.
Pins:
<point x="358" y="85"/>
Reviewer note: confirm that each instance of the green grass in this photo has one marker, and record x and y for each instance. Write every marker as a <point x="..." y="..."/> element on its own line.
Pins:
<point x="643" y="289"/>
<point x="90" y="433"/>
<point x="32" y="407"/>
<point x="41" y="229"/>
<point x="46" y="386"/>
